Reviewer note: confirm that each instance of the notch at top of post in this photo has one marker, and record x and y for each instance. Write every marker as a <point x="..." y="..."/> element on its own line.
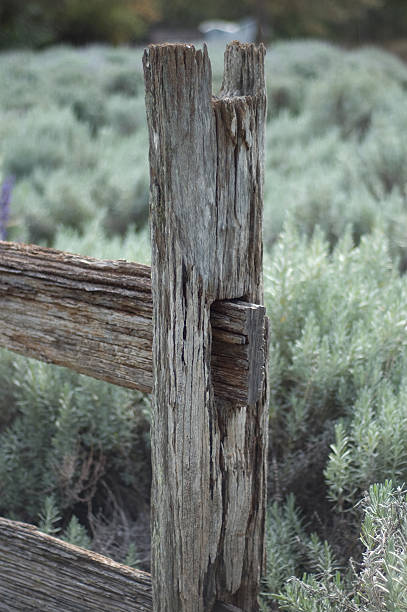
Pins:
<point x="244" y="70"/>
<point x="243" y="67"/>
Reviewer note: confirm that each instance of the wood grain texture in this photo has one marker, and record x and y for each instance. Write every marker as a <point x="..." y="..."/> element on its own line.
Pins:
<point x="40" y="573"/>
<point x="95" y="317"/>
<point x="222" y="607"/>
<point x="208" y="453"/>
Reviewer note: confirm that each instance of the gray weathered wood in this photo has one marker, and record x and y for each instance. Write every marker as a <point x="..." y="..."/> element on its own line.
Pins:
<point x="95" y="317"/>
<point x="222" y="607"/>
<point x="208" y="454"/>
<point x="41" y="573"/>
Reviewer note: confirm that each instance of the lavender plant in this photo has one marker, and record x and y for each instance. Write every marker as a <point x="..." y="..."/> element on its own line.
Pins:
<point x="5" y="199"/>
<point x="380" y="582"/>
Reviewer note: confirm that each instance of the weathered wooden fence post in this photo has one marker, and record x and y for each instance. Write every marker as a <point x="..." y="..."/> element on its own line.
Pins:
<point x="209" y="455"/>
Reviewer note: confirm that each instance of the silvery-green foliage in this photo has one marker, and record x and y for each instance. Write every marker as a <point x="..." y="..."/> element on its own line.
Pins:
<point x="336" y="328"/>
<point x="338" y="363"/>
<point x="49" y="516"/>
<point x="73" y="132"/>
<point x="380" y="62"/>
<point x="126" y="115"/>
<point x="23" y="85"/>
<point x="124" y="80"/>
<point x="334" y="146"/>
<point x="45" y="139"/>
<point x="314" y="181"/>
<point x="348" y="95"/>
<point x="290" y="549"/>
<point x="286" y="544"/>
<point x="329" y="336"/>
<point x="290" y="67"/>
<point x="50" y="523"/>
<point x="76" y="534"/>
<point x="133" y="246"/>
<point x="382" y="156"/>
<point x="381" y="580"/>
<point x="131" y="558"/>
<point x="334" y="150"/>
<point x="121" y="181"/>
<point x="70" y="433"/>
<point x="372" y="445"/>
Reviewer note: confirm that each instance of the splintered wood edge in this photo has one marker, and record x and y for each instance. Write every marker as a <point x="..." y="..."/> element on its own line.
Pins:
<point x="95" y="317"/>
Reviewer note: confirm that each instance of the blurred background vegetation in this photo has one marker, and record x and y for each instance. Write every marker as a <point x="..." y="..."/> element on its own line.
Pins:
<point x="74" y="452"/>
<point x="39" y="23"/>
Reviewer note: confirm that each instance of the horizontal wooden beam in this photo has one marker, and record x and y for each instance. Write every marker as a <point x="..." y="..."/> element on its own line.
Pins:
<point x="40" y="572"/>
<point x="95" y="317"/>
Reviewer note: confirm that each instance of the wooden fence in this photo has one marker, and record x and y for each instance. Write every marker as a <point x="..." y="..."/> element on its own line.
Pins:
<point x="192" y="330"/>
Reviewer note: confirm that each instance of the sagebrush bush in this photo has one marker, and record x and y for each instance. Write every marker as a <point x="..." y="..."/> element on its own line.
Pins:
<point x="330" y="338"/>
<point x="69" y="433"/>
<point x="133" y="246"/>
<point x="73" y="133"/>
<point x="81" y="441"/>
<point x="334" y="138"/>
<point x="337" y="393"/>
<point x="378" y="583"/>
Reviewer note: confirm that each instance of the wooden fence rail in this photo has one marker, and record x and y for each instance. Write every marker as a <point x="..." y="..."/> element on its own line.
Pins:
<point x="95" y="317"/>
<point x="41" y="573"/>
<point x="192" y="330"/>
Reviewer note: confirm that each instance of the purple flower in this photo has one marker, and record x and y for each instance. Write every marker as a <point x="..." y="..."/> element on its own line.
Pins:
<point x="5" y="198"/>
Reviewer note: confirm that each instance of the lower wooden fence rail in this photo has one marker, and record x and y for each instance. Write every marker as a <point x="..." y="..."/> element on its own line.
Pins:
<point x="40" y="572"/>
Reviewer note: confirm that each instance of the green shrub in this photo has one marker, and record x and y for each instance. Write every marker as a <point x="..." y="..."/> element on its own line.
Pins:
<point x="46" y="142"/>
<point x="372" y="445"/>
<point x="334" y="139"/>
<point x="334" y="150"/>
<point x="329" y="336"/>
<point x="134" y="246"/>
<point x="70" y="437"/>
<point x="291" y="67"/>
<point x="337" y="394"/>
<point x="381" y="580"/>
<point x="80" y="146"/>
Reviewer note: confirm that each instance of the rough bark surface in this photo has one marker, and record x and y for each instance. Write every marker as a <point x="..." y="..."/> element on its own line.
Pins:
<point x="41" y="573"/>
<point x="95" y="317"/>
<point x="208" y="453"/>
